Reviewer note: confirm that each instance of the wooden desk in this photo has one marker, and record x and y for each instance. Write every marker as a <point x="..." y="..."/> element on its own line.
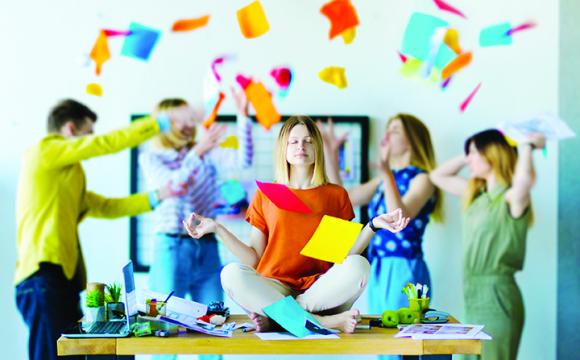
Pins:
<point x="374" y="341"/>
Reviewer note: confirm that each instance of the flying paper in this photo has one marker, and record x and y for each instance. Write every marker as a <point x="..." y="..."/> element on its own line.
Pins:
<point x="332" y="240"/>
<point x="141" y="42"/>
<point x="190" y="24"/>
<point x="334" y="75"/>
<point x="100" y="52"/>
<point x="231" y="142"/>
<point x="452" y="40"/>
<point x="495" y="35"/>
<point x="261" y="100"/>
<point x="214" y="112"/>
<point x="233" y="192"/>
<point x="111" y="33"/>
<point x="459" y="63"/>
<point x="283" y="197"/>
<point x="466" y="102"/>
<point x="94" y="89"/>
<point x="418" y="34"/>
<point x="522" y="27"/>
<point x="442" y="5"/>
<point x="348" y="35"/>
<point x="252" y="20"/>
<point x="342" y="16"/>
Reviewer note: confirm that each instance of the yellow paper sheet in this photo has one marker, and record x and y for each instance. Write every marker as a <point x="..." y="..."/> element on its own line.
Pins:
<point x="332" y="240"/>
<point x="94" y="89"/>
<point x="231" y="142"/>
<point x="334" y="75"/>
<point x="348" y="35"/>
<point x="252" y="20"/>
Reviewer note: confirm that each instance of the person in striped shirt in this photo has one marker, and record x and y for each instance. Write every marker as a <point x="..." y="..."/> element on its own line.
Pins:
<point x="180" y="263"/>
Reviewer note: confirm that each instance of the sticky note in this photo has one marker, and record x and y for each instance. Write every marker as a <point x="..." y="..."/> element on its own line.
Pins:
<point x="332" y="240"/>
<point x="348" y="35"/>
<point x="283" y="197"/>
<point x="291" y="316"/>
<point x="252" y="20"/>
<point x="495" y="35"/>
<point x="459" y="63"/>
<point x="261" y="100"/>
<point x="94" y="89"/>
<point x="418" y="34"/>
<point x="190" y="24"/>
<point x="442" y="5"/>
<point x="141" y="42"/>
<point x="410" y="67"/>
<point x="467" y="101"/>
<point x="230" y="142"/>
<point x="451" y="39"/>
<point x="342" y="16"/>
<point x="100" y="52"/>
<point x="334" y="75"/>
<point x="282" y="76"/>
<point x="233" y="192"/>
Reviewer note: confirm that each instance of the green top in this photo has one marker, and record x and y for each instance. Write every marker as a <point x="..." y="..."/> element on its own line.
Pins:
<point x="494" y="242"/>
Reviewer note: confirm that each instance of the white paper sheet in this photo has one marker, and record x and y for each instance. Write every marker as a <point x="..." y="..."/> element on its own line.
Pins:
<point x="550" y="125"/>
<point x="440" y="331"/>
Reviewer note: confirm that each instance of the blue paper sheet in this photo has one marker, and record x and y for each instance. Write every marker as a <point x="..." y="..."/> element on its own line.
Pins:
<point x="291" y="316"/>
<point x="495" y="35"/>
<point x="417" y="37"/>
<point x="141" y="42"/>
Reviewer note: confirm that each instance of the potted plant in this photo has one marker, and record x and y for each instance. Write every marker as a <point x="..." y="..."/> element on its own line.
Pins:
<point x="95" y="302"/>
<point x="115" y="308"/>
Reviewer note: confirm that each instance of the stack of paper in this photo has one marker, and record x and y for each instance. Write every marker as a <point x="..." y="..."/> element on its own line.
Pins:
<point x="443" y="332"/>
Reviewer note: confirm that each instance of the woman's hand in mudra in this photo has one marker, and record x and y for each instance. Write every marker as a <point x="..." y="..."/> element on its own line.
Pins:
<point x="198" y="226"/>
<point x="393" y="221"/>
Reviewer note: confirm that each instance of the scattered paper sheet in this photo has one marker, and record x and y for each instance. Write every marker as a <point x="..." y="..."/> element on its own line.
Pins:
<point x="467" y="101"/>
<point x="334" y="75"/>
<point x="522" y="27"/>
<point x="452" y="40"/>
<point x="113" y="33"/>
<point x="288" y="336"/>
<point x="439" y="331"/>
<point x="252" y="20"/>
<point x="332" y="240"/>
<point x="418" y="34"/>
<point x="342" y="16"/>
<point x="230" y="142"/>
<point x="141" y="42"/>
<point x="495" y="35"/>
<point x="283" y="197"/>
<point x="261" y="100"/>
<point x="233" y="191"/>
<point x="100" y="52"/>
<point x="410" y="68"/>
<point x="550" y="125"/>
<point x="442" y="5"/>
<point x="457" y="64"/>
<point x="348" y="35"/>
<point x="190" y="24"/>
<point x="209" y="120"/>
<point x="94" y="89"/>
<point x="291" y="316"/>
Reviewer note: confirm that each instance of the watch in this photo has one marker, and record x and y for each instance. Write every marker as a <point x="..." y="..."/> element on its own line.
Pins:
<point x="373" y="228"/>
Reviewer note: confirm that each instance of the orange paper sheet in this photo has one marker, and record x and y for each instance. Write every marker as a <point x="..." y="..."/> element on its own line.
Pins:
<point x="261" y="100"/>
<point x="334" y="75"/>
<point x="94" y="89"/>
<point x="457" y="64"/>
<point x="100" y="52"/>
<point x="342" y="16"/>
<point x="190" y="24"/>
<point x="213" y="115"/>
<point x="252" y="20"/>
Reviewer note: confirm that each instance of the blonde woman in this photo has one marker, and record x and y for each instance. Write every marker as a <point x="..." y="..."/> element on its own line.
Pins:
<point x="495" y="224"/>
<point x="193" y="164"/>
<point x="271" y="266"/>
<point x="407" y="157"/>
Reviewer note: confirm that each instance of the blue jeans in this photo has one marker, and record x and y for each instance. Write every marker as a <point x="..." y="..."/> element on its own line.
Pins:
<point x="48" y="303"/>
<point x="187" y="266"/>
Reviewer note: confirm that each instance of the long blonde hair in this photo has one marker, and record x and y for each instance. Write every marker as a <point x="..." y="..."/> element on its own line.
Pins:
<point x="422" y="153"/>
<point x="282" y="167"/>
<point x="501" y="156"/>
<point x="172" y="139"/>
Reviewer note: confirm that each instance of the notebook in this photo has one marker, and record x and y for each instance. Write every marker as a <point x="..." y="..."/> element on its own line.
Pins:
<point x="111" y="329"/>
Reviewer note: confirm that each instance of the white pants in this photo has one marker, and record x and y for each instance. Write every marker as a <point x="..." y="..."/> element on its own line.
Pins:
<point x="333" y="292"/>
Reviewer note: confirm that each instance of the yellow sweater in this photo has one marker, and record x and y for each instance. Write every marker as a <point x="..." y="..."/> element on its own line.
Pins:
<point x="52" y="198"/>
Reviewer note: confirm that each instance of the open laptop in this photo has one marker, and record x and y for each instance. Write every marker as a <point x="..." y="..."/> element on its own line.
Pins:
<point x="111" y="329"/>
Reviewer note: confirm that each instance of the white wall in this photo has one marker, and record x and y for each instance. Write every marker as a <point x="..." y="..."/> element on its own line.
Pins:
<point x="43" y="44"/>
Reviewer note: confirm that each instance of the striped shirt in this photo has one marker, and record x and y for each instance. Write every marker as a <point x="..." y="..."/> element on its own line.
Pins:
<point x="201" y="174"/>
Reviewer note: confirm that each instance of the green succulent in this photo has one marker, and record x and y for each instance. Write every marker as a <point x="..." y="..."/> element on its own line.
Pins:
<point x="95" y="298"/>
<point x="113" y="293"/>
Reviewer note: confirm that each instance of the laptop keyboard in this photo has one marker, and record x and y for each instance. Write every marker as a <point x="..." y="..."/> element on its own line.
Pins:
<point x="107" y="327"/>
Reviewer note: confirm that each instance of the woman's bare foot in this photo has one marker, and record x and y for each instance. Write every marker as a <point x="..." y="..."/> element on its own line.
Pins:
<point x="345" y="321"/>
<point x="263" y="323"/>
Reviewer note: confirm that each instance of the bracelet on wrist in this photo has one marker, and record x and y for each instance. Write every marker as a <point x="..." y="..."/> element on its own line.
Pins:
<point x="371" y="226"/>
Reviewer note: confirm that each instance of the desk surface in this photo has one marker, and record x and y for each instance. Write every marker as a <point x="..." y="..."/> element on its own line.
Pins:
<point x="374" y="341"/>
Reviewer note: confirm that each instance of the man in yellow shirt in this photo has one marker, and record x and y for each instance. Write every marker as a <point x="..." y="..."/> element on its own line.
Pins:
<point x="52" y="200"/>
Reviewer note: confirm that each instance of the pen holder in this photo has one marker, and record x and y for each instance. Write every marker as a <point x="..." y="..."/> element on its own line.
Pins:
<point x="155" y="308"/>
<point x="418" y="306"/>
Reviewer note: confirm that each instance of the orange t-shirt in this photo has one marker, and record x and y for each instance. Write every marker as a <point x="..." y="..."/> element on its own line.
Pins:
<point x="287" y="232"/>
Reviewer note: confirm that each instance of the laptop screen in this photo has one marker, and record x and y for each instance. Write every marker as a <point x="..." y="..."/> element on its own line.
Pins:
<point x="130" y="293"/>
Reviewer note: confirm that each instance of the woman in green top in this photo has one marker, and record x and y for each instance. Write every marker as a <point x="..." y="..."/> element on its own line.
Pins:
<point x="496" y="219"/>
